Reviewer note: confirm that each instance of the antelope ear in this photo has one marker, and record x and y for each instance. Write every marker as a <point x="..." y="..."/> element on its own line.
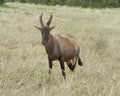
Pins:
<point x="38" y="27"/>
<point x="52" y="28"/>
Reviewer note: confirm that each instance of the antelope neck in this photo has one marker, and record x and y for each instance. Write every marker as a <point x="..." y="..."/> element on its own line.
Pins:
<point x="50" y="44"/>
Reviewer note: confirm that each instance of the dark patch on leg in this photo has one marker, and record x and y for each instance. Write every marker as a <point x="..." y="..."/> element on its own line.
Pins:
<point x="63" y="73"/>
<point x="71" y="67"/>
<point x="62" y="67"/>
<point x="50" y="65"/>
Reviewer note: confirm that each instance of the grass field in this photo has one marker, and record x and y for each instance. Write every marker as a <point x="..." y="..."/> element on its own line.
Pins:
<point x="23" y="60"/>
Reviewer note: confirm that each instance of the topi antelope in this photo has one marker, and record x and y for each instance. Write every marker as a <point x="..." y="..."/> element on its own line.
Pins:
<point x="59" y="48"/>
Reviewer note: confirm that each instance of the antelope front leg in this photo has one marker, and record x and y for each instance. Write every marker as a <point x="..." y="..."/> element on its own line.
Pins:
<point x="50" y="65"/>
<point x="62" y="67"/>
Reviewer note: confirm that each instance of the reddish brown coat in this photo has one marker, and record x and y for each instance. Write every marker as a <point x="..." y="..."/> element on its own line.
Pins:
<point x="59" y="48"/>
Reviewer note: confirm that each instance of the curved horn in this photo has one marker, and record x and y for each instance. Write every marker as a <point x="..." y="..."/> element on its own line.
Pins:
<point x="41" y="21"/>
<point x="49" y="21"/>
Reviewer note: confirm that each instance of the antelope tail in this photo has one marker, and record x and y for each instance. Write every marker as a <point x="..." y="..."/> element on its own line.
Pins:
<point x="80" y="62"/>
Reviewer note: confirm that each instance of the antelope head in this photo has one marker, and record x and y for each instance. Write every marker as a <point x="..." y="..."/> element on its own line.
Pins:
<point x="45" y="29"/>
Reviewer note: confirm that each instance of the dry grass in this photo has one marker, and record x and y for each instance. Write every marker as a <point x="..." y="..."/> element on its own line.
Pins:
<point x="23" y="61"/>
